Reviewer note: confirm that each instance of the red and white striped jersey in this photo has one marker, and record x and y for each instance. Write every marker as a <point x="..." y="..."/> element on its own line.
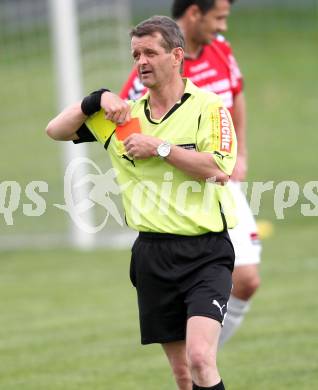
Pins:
<point x="214" y="70"/>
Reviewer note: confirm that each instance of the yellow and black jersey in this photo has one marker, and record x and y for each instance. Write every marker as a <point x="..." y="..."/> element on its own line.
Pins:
<point x="158" y="197"/>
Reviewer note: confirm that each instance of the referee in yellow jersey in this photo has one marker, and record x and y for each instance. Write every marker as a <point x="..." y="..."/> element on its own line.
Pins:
<point x="175" y="170"/>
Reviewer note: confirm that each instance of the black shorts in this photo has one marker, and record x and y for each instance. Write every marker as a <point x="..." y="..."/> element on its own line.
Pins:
<point x="177" y="277"/>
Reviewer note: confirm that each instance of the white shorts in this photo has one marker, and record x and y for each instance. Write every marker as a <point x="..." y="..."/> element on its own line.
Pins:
<point x="244" y="236"/>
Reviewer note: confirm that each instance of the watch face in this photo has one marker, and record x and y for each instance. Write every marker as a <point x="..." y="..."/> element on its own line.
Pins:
<point x="164" y="150"/>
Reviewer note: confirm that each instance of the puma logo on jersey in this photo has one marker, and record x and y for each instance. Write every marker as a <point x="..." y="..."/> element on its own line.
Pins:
<point x="219" y="154"/>
<point x="124" y="156"/>
<point x="216" y="303"/>
<point x="225" y="131"/>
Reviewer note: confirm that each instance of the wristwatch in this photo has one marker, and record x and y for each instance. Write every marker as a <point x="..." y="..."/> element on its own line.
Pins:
<point x="164" y="149"/>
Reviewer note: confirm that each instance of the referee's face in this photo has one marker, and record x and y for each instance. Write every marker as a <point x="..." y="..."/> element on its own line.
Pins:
<point x="155" y="65"/>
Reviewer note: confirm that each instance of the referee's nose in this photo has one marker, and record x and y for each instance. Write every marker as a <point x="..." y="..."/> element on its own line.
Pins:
<point x="142" y="60"/>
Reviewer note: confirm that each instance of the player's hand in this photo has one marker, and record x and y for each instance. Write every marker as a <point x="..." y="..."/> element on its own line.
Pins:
<point x="240" y="169"/>
<point x="117" y="110"/>
<point x="141" y="146"/>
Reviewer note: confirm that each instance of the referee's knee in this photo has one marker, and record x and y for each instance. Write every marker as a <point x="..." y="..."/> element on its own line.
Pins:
<point x="201" y="362"/>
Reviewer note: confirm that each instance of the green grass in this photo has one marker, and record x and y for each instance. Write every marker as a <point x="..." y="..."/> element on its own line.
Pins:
<point x="69" y="321"/>
<point x="277" y="346"/>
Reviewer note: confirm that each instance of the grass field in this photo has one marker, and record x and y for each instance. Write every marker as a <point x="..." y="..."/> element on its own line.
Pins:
<point x="69" y="319"/>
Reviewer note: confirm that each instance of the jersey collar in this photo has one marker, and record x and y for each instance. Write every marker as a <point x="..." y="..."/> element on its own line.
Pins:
<point x="188" y="91"/>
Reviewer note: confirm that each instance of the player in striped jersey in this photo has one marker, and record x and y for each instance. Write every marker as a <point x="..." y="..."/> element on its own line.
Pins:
<point x="210" y="64"/>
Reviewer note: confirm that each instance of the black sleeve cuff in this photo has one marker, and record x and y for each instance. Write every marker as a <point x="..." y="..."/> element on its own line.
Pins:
<point x="84" y="135"/>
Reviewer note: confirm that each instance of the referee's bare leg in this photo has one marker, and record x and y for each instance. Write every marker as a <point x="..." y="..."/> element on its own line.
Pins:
<point x="194" y="362"/>
<point x="176" y="353"/>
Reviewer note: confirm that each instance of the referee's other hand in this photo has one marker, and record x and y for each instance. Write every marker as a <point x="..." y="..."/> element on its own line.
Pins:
<point x="116" y="109"/>
<point x="141" y="146"/>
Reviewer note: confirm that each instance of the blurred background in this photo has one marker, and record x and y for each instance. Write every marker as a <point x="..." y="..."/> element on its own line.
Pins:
<point x="69" y="317"/>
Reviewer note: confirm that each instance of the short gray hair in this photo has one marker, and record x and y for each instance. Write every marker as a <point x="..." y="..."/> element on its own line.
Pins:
<point x="167" y="27"/>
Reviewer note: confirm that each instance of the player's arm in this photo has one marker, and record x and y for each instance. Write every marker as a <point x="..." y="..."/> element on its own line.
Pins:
<point x="65" y="126"/>
<point x="239" y="120"/>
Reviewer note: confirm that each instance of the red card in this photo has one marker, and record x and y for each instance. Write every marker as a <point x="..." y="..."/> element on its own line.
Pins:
<point x="123" y="131"/>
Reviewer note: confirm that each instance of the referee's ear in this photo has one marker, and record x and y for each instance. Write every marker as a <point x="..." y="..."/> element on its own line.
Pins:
<point x="178" y="57"/>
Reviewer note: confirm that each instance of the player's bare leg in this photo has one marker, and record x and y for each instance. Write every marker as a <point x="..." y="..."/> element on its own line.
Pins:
<point x="201" y="347"/>
<point x="176" y="353"/>
<point x="246" y="281"/>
